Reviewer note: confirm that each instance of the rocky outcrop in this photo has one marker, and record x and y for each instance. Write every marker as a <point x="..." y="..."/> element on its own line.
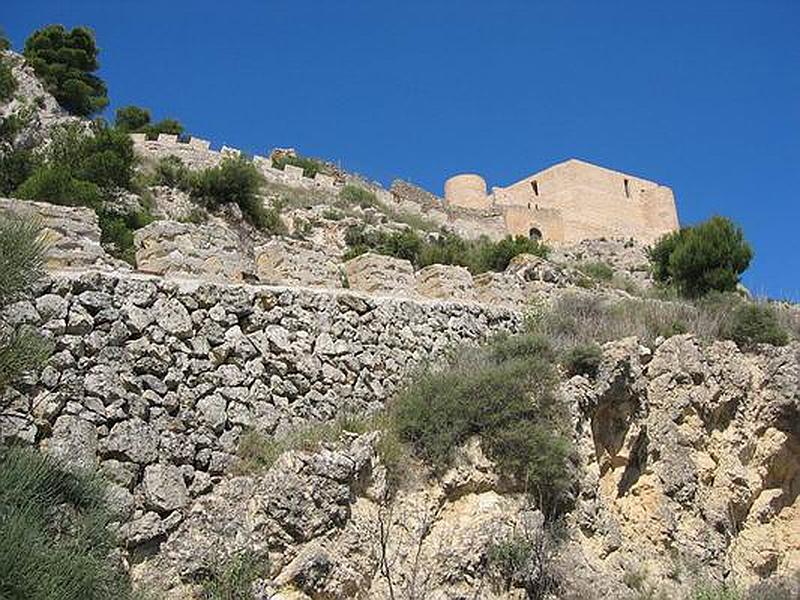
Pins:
<point x="36" y="108"/>
<point x="293" y="262"/>
<point x="627" y="257"/>
<point x="691" y="461"/>
<point x="446" y="282"/>
<point x="378" y="274"/>
<point x="72" y="234"/>
<point x="209" y="250"/>
<point x="689" y="467"/>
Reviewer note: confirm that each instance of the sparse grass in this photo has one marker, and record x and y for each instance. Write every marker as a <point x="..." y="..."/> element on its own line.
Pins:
<point x="577" y="319"/>
<point x="597" y="270"/>
<point x="353" y="195"/>
<point x="234" y="579"/>
<point x="258" y="452"/>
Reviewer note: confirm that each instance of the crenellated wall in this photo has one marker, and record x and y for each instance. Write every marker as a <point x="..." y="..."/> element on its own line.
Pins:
<point x="197" y="153"/>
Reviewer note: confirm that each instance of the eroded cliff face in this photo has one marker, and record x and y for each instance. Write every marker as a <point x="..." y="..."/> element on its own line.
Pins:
<point x="689" y="469"/>
<point x="691" y="461"/>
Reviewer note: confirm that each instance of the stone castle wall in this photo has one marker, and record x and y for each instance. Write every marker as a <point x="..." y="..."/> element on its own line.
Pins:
<point x="196" y="153"/>
<point x="572" y="201"/>
<point x="154" y="381"/>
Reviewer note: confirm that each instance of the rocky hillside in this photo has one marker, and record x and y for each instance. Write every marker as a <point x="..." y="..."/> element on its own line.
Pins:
<point x="324" y="389"/>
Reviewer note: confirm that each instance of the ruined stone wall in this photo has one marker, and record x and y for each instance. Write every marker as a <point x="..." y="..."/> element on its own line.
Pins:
<point x="196" y="153"/>
<point x="155" y="380"/>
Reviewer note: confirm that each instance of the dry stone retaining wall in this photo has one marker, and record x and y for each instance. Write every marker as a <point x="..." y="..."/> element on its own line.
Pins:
<point x="154" y="380"/>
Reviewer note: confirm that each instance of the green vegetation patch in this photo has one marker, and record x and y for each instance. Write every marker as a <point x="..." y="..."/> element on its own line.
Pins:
<point x="502" y="393"/>
<point x="66" y="62"/>
<point x="310" y="166"/>
<point x="697" y="260"/>
<point x="479" y="256"/>
<point x="21" y="267"/>
<point x="236" y="180"/>
<point x="54" y="541"/>
<point x="134" y="119"/>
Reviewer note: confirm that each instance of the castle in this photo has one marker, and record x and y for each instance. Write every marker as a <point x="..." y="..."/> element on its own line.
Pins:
<point x="569" y="202"/>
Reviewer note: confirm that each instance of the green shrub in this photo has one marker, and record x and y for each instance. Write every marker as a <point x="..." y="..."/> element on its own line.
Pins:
<point x="55" y="184"/>
<point x="21" y="260"/>
<point x="446" y="248"/>
<point x="310" y="166"/>
<point x="583" y="360"/>
<point x="353" y="195"/>
<point x="597" y="270"/>
<point x="134" y="119"/>
<point x="8" y="83"/>
<point x="171" y="171"/>
<point x="10" y="126"/>
<point x="527" y="559"/>
<point x="66" y="61"/>
<point x="116" y="232"/>
<point x="708" y="257"/>
<point x="755" y="324"/>
<point x="54" y="543"/>
<point x="507" y="401"/>
<point x="107" y="158"/>
<point x="103" y="158"/>
<point x="131" y="118"/>
<point x="235" y="180"/>
<point x="496" y="256"/>
<point x="15" y="167"/>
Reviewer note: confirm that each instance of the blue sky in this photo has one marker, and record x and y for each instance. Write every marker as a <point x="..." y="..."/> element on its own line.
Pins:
<point x="701" y="96"/>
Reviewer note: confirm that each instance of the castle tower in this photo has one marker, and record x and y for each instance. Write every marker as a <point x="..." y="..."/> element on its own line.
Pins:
<point x="466" y="191"/>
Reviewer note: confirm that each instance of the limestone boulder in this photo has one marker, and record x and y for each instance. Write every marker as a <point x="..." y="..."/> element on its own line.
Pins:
<point x="164" y="488"/>
<point x="532" y="268"/>
<point x="209" y="251"/>
<point x="448" y="282"/>
<point x="72" y="234"/>
<point x="378" y="274"/>
<point x="297" y="263"/>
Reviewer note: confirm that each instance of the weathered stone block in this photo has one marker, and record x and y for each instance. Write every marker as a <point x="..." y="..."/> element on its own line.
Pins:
<point x="285" y="262"/>
<point x="183" y="249"/>
<point x="499" y="288"/>
<point x="72" y="234"/>
<point x="529" y="267"/>
<point x="200" y="144"/>
<point x="379" y="274"/>
<point x="293" y="172"/>
<point x="448" y="282"/>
